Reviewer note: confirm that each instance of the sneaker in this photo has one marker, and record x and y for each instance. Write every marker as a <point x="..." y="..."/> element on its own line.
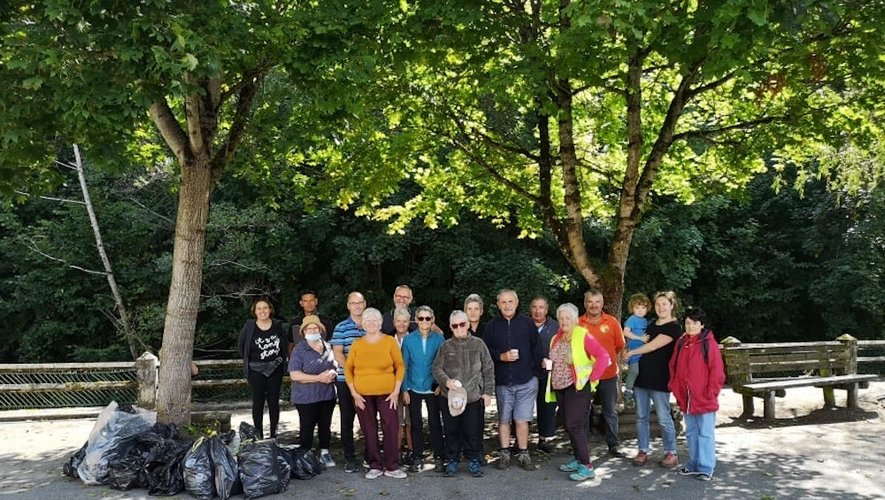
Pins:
<point x="396" y="474"/>
<point x="641" y="458"/>
<point x="439" y="465"/>
<point x="326" y="459"/>
<point x="350" y="465"/>
<point x="685" y="471"/>
<point x="525" y="460"/>
<point x="474" y="469"/>
<point x="545" y="447"/>
<point x="417" y="465"/>
<point x="628" y="393"/>
<point x="365" y="464"/>
<point x="703" y="476"/>
<point x="451" y="468"/>
<point x="504" y="460"/>
<point x="583" y="473"/>
<point x="405" y="456"/>
<point x="615" y="452"/>
<point x="570" y="467"/>
<point x="669" y="461"/>
<point x="374" y="473"/>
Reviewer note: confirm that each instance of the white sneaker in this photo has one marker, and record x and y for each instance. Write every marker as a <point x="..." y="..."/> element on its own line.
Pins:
<point x="374" y="473"/>
<point x="396" y="474"/>
<point x="326" y="459"/>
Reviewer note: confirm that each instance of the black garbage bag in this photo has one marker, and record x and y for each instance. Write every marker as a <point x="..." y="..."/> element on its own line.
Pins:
<point x="303" y="463"/>
<point x="70" y="468"/>
<point x="260" y="470"/>
<point x="247" y="432"/>
<point x="199" y="478"/>
<point x="128" y="466"/>
<point x="226" y="475"/>
<point x="164" y="465"/>
<point x="285" y="469"/>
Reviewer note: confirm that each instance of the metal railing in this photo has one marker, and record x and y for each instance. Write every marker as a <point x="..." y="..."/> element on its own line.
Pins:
<point x="72" y="385"/>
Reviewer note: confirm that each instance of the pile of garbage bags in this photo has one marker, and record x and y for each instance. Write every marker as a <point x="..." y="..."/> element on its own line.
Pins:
<point x="128" y="449"/>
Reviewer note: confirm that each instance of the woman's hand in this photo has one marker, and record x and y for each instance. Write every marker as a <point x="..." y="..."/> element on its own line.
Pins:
<point x="645" y="338"/>
<point x="359" y="401"/>
<point x="452" y="383"/>
<point x="392" y="399"/>
<point x="406" y="398"/>
<point x="486" y="400"/>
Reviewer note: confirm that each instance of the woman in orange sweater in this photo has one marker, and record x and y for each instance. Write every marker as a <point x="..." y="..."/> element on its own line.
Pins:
<point x="374" y="373"/>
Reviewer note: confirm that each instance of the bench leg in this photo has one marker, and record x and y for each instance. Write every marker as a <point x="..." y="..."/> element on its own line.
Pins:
<point x="852" y="395"/>
<point x="829" y="397"/>
<point x="768" y="403"/>
<point x="749" y="407"/>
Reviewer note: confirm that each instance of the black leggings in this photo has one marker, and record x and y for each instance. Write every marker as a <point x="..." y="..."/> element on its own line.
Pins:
<point x="315" y="416"/>
<point x="266" y="389"/>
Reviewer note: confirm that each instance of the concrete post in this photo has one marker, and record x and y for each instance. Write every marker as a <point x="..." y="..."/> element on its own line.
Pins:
<point x="146" y="370"/>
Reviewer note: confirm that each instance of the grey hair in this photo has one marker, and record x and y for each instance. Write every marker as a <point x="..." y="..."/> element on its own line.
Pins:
<point x="372" y="313"/>
<point x="507" y="290"/>
<point x="473" y="298"/>
<point x="457" y="314"/>
<point x="401" y="312"/>
<point x="569" y="309"/>
<point x="424" y="308"/>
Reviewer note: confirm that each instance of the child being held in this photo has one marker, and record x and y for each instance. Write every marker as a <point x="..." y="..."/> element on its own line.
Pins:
<point x="634" y="334"/>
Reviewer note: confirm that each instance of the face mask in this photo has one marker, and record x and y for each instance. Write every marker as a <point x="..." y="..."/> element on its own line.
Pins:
<point x="313" y="337"/>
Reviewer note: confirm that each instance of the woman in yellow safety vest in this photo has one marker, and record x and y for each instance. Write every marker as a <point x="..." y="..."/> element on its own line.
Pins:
<point x="576" y="363"/>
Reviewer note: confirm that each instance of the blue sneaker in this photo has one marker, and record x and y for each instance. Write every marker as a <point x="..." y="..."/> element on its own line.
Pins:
<point x="474" y="468"/>
<point x="570" y="467"/>
<point x="583" y="473"/>
<point x="451" y="468"/>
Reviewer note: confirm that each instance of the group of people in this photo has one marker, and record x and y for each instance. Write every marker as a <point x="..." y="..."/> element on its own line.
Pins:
<point x="388" y="370"/>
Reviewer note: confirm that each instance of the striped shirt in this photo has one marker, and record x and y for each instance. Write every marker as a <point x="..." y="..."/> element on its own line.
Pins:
<point x="344" y="335"/>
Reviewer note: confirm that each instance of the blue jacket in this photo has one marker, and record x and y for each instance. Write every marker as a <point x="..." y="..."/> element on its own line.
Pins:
<point x="419" y="363"/>
<point x="519" y="332"/>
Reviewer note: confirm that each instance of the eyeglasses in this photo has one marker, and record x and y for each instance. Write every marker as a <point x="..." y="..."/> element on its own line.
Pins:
<point x="424" y="318"/>
<point x="459" y="325"/>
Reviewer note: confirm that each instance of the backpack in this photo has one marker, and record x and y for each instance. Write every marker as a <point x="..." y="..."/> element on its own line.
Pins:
<point x="704" y="347"/>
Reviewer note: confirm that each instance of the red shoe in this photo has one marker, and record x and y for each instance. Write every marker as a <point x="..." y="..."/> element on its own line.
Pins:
<point x="669" y="461"/>
<point x="641" y="458"/>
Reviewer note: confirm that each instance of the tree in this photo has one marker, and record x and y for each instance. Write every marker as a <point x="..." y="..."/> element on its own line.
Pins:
<point x="550" y="112"/>
<point x="91" y="72"/>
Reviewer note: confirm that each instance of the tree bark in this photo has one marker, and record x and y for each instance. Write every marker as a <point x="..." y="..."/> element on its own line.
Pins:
<point x="174" y="396"/>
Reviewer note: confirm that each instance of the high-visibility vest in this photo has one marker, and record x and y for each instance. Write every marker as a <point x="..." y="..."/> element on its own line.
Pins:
<point x="582" y="364"/>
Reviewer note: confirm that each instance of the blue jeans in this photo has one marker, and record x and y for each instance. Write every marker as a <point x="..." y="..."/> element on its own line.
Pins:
<point x="661" y="399"/>
<point x="607" y="396"/>
<point x="700" y="434"/>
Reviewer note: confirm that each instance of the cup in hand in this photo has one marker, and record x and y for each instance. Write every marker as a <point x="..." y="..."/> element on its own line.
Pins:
<point x="514" y="353"/>
<point x="548" y="364"/>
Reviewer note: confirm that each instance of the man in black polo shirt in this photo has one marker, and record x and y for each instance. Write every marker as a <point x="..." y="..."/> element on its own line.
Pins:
<point x="309" y="303"/>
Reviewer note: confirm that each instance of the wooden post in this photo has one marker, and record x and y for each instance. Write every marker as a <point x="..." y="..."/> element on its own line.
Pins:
<point x="851" y="349"/>
<point x="146" y="370"/>
<point x="768" y="402"/>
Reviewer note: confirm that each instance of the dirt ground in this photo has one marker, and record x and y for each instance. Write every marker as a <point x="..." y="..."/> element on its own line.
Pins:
<point x="807" y="452"/>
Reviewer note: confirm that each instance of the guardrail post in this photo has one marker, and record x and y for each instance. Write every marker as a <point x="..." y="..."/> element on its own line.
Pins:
<point x="146" y="371"/>
<point x="851" y="349"/>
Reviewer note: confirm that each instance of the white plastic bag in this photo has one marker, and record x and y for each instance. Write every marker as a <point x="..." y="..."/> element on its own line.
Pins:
<point x="112" y="428"/>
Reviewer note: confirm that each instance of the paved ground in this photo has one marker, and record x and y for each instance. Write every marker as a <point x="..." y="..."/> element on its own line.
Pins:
<point x="807" y="453"/>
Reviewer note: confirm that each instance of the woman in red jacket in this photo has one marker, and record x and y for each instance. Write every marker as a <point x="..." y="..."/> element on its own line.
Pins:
<point x="696" y="377"/>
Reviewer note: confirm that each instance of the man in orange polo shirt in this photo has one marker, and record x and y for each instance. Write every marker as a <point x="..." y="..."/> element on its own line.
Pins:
<point x="606" y="329"/>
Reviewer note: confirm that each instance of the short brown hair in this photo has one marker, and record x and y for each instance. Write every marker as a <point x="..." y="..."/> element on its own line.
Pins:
<point x="266" y="301"/>
<point x="638" y="299"/>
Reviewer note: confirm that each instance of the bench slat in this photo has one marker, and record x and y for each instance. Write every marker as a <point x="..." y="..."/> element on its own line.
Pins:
<point x="760" y="387"/>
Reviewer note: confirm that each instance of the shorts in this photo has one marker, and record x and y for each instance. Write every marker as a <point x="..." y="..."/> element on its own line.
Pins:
<point x="516" y="402"/>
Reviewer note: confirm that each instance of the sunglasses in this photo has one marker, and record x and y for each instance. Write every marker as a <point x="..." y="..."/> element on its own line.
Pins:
<point x="459" y="325"/>
<point x="424" y="318"/>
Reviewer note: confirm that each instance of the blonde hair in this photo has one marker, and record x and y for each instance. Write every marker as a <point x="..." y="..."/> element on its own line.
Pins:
<point x="670" y="295"/>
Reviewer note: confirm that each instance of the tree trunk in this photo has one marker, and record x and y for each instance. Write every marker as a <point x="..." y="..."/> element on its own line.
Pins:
<point x="174" y="397"/>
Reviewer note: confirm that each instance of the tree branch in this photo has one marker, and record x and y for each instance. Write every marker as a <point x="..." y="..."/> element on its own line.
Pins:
<point x="34" y="248"/>
<point x="737" y="126"/>
<point x="50" y="198"/>
<point x="504" y="147"/>
<point x="171" y="131"/>
<point x="239" y="126"/>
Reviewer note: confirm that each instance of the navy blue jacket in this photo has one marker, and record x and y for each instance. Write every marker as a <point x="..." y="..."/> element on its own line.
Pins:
<point x="519" y="332"/>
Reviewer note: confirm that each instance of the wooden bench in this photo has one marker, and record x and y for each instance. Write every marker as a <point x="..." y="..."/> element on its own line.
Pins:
<point x="766" y="371"/>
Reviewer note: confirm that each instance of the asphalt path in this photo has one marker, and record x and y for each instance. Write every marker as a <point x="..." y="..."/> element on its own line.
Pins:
<point x="808" y="452"/>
